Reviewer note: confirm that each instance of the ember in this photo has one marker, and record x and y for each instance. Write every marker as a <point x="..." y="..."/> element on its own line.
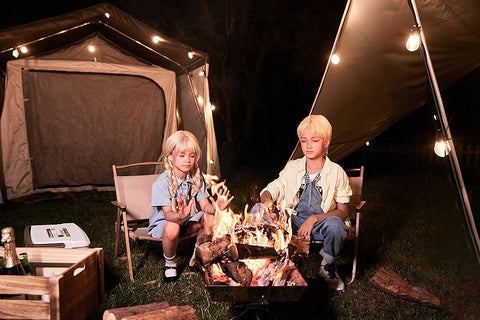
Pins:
<point x="249" y="250"/>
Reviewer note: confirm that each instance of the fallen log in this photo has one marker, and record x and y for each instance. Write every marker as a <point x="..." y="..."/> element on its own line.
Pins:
<point x="120" y="313"/>
<point x="393" y="283"/>
<point x="157" y="311"/>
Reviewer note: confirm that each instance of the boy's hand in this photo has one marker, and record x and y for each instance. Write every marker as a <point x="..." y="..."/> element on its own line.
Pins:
<point x="306" y="227"/>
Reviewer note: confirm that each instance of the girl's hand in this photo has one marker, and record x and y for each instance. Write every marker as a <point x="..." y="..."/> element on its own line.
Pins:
<point x="223" y="199"/>
<point x="183" y="208"/>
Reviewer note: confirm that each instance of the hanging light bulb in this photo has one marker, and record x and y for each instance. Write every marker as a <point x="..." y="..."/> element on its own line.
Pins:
<point x="157" y="39"/>
<point x="441" y="148"/>
<point x="91" y="48"/>
<point x="107" y="15"/>
<point x="190" y="54"/>
<point x="15" y="53"/>
<point x="335" y="58"/>
<point x="413" y="42"/>
<point x="212" y="107"/>
<point x="23" y="49"/>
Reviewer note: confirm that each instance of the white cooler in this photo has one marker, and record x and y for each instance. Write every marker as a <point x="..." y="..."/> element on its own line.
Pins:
<point x="64" y="235"/>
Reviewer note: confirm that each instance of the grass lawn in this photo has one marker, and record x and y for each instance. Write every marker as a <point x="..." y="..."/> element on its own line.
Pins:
<point x="413" y="225"/>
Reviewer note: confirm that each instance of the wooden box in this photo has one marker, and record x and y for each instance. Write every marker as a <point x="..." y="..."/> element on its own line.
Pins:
<point x="73" y="289"/>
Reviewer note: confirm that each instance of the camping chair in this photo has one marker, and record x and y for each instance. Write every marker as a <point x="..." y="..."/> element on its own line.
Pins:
<point x="133" y="189"/>
<point x="353" y="221"/>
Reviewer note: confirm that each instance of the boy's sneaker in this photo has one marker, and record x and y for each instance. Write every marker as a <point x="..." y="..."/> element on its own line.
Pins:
<point x="329" y="273"/>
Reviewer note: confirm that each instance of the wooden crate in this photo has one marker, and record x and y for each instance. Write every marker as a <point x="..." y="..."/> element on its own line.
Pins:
<point x="75" y="289"/>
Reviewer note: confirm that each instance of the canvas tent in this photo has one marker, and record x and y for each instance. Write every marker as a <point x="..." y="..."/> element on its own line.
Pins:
<point x="70" y="113"/>
<point x="379" y="82"/>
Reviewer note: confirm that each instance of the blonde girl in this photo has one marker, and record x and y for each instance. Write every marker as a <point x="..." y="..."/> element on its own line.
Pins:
<point x="180" y="200"/>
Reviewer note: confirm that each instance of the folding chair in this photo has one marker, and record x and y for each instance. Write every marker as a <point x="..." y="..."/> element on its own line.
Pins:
<point x="353" y="221"/>
<point x="133" y="187"/>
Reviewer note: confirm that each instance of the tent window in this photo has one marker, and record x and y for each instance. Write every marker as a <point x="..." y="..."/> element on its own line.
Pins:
<point x="78" y="125"/>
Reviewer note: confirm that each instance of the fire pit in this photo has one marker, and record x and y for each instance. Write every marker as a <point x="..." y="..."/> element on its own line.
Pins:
<point x="249" y="257"/>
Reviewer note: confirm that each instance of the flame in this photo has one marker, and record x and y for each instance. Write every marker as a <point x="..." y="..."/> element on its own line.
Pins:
<point x="272" y="229"/>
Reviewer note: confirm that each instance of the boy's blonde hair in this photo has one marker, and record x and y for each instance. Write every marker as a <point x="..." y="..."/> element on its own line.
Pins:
<point x="178" y="142"/>
<point x="318" y="125"/>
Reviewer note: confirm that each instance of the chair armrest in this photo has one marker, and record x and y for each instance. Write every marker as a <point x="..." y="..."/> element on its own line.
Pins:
<point x="119" y="205"/>
<point x="359" y="207"/>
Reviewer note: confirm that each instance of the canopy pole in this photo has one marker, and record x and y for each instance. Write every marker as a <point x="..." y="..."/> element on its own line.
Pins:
<point x="446" y="132"/>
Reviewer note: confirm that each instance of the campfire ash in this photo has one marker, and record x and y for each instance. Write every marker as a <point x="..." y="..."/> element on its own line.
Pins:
<point x="250" y="249"/>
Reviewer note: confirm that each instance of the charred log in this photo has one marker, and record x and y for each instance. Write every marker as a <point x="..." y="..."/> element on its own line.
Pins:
<point x="246" y="231"/>
<point x="239" y="272"/>
<point x="246" y="251"/>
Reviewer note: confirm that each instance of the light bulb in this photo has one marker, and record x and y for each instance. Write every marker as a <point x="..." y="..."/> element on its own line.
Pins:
<point x="107" y="15"/>
<point x="441" y="148"/>
<point x="23" y="49"/>
<point x="212" y="107"/>
<point x="413" y="42"/>
<point x="91" y="48"/>
<point x="15" y="53"/>
<point x="157" y="39"/>
<point x="335" y="58"/>
<point x="200" y="99"/>
<point x="190" y="54"/>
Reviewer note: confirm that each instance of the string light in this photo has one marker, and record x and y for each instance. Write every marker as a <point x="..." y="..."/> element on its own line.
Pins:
<point x="441" y="148"/>
<point x="15" y="53"/>
<point x="201" y="73"/>
<point x="200" y="99"/>
<point x="23" y="49"/>
<point x="367" y="143"/>
<point x="212" y="107"/>
<point x="190" y="54"/>
<point x="335" y="59"/>
<point x="157" y="39"/>
<point x="413" y="41"/>
<point x="107" y="15"/>
<point x="91" y="48"/>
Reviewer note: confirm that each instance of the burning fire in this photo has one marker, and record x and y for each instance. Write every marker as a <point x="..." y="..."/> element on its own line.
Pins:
<point x="260" y="230"/>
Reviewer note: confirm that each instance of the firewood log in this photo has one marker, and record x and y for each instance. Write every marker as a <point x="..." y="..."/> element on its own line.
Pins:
<point x="239" y="272"/>
<point x="170" y="313"/>
<point x="246" y="251"/>
<point x="299" y="247"/>
<point x="211" y="252"/>
<point x="120" y="313"/>
<point x="393" y="283"/>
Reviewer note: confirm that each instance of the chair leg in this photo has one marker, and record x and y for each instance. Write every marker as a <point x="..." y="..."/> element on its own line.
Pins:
<point x="127" y="245"/>
<point x="355" y="250"/>
<point x="117" y="232"/>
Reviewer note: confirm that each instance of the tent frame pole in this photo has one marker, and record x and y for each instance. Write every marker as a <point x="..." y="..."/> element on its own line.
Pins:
<point x="432" y="80"/>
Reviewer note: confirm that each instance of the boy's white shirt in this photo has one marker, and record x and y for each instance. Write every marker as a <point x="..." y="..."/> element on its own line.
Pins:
<point x="285" y="187"/>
